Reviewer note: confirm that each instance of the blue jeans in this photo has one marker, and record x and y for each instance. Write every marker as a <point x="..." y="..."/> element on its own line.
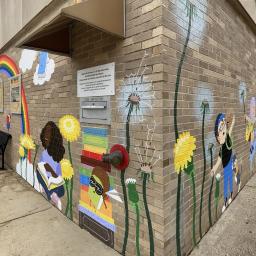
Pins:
<point x="59" y="190"/>
<point x="228" y="179"/>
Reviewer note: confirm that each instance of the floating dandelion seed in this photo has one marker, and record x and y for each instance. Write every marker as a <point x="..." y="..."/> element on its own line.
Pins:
<point x="136" y="95"/>
<point x="148" y="162"/>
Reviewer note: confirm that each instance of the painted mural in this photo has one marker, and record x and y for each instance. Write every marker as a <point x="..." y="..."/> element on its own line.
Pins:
<point x="135" y="105"/>
<point x="227" y="166"/>
<point x="96" y="187"/>
<point x="182" y="10"/>
<point x="186" y="141"/>
<point x="44" y="68"/>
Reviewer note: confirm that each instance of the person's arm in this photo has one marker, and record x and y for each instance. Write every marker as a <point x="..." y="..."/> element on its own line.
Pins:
<point x="232" y="125"/>
<point x="216" y="166"/>
<point x="49" y="169"/>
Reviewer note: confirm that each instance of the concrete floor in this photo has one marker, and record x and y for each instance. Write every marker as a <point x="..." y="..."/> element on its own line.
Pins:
<point x="30" y="226"/>
<point x="235" y="232"/>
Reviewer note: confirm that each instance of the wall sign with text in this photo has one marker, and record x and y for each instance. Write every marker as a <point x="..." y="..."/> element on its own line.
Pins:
<point x="96" y="81"/>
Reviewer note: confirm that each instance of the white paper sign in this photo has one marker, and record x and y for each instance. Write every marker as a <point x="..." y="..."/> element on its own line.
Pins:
<point x="96" y="81"/>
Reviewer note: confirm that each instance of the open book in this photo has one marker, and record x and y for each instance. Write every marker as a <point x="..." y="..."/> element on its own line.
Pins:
<point x="50" y="182"/>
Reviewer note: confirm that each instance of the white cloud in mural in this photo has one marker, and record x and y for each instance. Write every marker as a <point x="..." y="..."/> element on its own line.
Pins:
<point x="27" y="59"/>
<point x="198" y="22"/>
<point x="44" y="69"/>
<point x="203" y="95"/>
<point x="25" y="169"/>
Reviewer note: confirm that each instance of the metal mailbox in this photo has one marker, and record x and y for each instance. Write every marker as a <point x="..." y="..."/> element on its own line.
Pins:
<point x="95" y="110"/>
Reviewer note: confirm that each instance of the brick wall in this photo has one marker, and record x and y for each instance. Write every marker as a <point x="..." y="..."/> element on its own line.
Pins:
<point x="58" y="97"/>
<point x="221" y="55"/>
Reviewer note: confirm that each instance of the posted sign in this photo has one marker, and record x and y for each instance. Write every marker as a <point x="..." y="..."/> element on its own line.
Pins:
<point x="96" y="81"/>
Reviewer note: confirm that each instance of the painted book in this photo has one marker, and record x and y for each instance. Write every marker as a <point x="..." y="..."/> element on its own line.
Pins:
<point x="50" y="182"/>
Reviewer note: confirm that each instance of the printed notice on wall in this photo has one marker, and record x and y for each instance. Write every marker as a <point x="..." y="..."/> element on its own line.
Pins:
<point x="96" y="81"/>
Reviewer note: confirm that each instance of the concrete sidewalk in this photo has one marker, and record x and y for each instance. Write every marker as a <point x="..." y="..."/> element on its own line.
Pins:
<point x="31" y="226"/>
<point x="235" y="232"/>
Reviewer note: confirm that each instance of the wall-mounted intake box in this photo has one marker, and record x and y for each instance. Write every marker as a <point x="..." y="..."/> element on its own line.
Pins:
<point x="95" y="110"/>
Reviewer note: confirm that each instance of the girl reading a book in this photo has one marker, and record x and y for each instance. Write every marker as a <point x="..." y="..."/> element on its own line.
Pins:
<point x="49" y="170"/>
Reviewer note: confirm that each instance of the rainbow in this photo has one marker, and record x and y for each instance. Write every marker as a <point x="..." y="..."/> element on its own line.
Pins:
<point x="9" y="68"/>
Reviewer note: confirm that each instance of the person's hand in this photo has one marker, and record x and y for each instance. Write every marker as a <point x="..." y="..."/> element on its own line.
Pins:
<point x="213" y="171"/>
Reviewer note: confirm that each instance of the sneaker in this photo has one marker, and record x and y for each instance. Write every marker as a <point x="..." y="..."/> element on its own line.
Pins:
<point x="56" y="201"/>
<point x="229" y="200"/>
<point x="223" y="208"/>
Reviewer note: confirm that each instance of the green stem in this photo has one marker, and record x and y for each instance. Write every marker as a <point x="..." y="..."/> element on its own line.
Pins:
<point x="71" y="185"/>
<point x="69" y="153"/>
<point x="137" y="230"/>
<point x="21" y="166"/>
<point x="210" y="193"/>
<point x="194" y="208"/>
<point x="177" y="84"/>
<point x="34" y="160"/>
<point x="26" y="166"/>
<point x="217" y="194"/>
<point x="126" y="213"/>
<point x="126" y="232"/>
<point x="67" y="190"/>
<point x="71" y="198"/>
<point x="150" y="229"/>
<point x="202" y="188"/>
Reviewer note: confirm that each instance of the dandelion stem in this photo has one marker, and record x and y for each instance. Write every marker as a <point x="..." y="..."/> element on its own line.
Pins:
<point x="137" y="229"/>
<point x="177" y="84"/>
<point x="34" y="160"/>
<point x="202" y="188"/>
<point x="210" y="193"/>
<point x="194" y="207"/>
<point x="126" y="232"/>
<point x="67" y="190"/>
<point x="71" y="184"/>
<point x="150" y="229"/>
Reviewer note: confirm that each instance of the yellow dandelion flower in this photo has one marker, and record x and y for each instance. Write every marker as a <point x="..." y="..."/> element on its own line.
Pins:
<point x="249" y="135"/>
<point x="27" y="142"/>
<point x="66" y="169"/>
<point x="69" y="127"/>
<point x="21" y="151"/>
<point x="183" y="151"/>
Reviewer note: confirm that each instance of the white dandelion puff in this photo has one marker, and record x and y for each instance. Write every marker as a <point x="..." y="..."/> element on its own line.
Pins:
<point x="136" y="95"/>
<point x="148" y="161"/>
<point x="203" y="96"/>
<point x="200" y="9"/>
<point x="242" y="93"/>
